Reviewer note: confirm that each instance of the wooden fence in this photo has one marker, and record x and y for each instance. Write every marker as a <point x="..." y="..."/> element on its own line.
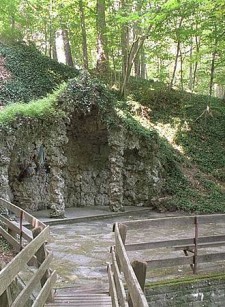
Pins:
<point x="135" y="273"/>
<point x="28" y="236"/>
<point x="121" y="272"/>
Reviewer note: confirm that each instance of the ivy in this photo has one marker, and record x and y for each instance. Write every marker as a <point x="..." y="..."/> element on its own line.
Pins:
<point x="32" y="74"/>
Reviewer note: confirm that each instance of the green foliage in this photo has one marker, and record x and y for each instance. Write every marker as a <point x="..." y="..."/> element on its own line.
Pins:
<point x="32" y="74"/>
<point x="199" y="133"/>
<point x="43" y="108"/>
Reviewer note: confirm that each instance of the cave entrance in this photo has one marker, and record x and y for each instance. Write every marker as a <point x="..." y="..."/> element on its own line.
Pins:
<point x="87" y="173"/>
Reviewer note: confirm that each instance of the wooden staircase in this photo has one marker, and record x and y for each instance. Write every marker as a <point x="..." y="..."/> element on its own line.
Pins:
<point x="81" y="298"/>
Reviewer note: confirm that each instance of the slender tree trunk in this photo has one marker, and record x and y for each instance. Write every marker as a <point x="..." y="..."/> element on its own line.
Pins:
<point x="134" y="50"/>
<point x="177" y="54"/>
<point x="51" y="37"/>
<point x="181" y="70"/>
<point x="190" y="83"/>
<point x="46" y="39"/>
<point x="67" y="48"/>
<point x="143" y="64"/>
<point x="197" y="45"/>
<point x="124" y="43"/>
<point x="54" y="51"/>
<point x="84" y="35"/>
<point x="175" y="65"/>
<point x="212" y="72"/>
<point x="102" y="45"/>
<point x="136" y="33"/>
<point x="137" y="67"/>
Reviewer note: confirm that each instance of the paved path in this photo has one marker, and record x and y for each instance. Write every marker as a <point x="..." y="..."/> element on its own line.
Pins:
<point x="81" y="243"/>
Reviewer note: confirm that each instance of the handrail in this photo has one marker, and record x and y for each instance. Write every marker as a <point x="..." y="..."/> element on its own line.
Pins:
<point x="120" y="261"/>
<point x="135" y="273"/>
<point x="30" y="245"/>
<point x="191" y="244"/>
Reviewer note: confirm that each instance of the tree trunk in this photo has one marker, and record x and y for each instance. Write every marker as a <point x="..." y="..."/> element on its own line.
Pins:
<point x="181" y="70"/>
<point x="84" y="35"/>
<point x="102" y="64"/>
<point x="143" y="64"/>
<point x="190" y="83"/>
<point x="134" y="51"/>
<point x="212" y="72"/>
<point x="67" y="48"/>
<point x="197" y="44"/>
<point x="175" y="65"/>
<point x="177" y="54"/>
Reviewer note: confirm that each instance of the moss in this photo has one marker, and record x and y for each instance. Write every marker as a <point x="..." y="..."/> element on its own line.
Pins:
<point x="187" y="280"/>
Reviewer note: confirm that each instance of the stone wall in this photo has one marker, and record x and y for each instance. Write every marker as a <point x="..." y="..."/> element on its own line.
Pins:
<point x="203" y="292"/>
<point x="31" y="162"/>
<point x="142" y="173"/>
<point x="77" y="161"/>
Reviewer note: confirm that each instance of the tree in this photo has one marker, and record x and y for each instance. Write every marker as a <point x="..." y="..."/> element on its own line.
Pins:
<point x="102" y="64"/>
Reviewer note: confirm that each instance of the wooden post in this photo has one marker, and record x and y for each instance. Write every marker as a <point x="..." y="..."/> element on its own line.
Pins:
<point x="140" y="269"/>
<point x="41" y="255"/>
<point x="123" y="233"/>
<point x="195" y="266"/>
<point x="6" y="297"/>
<point x="21" y="230"/>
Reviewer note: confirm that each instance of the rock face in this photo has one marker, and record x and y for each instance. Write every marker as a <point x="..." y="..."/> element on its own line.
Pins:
<point x="77" y="160"/>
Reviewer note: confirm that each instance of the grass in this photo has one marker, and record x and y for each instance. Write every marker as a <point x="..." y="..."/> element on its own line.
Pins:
<point x="41" y="108"/>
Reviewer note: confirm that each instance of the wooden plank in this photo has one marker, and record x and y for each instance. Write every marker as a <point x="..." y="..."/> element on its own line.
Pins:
<point x="172" y="243"/>
<point x="140" y="269"/>
<point x="158" y="244"/>
<point x="160" y="222"/>
<point x="118" y="281"/>
<point x="200" y="245"/>
<point x="27" y="217"/>
<point x="6" y="297"/>
<point x="45" y="291"/>
<point x="112" y="287"/>
<point x="169" y="262"/>
<point x="41" y="255"/>
<point x="211" y="219"/>
<point x="10" y="271"/>
<point x="11" y="240"/>
<point x="175" y="221"/>
<point x="14" y="226"/>
<point x="33" y="282"/>
<point x="212" y="257"/>
<point x="175" y="261"/>
<point x="137" y="295"/>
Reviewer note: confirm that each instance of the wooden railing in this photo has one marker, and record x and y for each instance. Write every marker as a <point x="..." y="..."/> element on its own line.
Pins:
<point x="135" y="273"/>
<point x="28" y="236"/>
<point x="121" y="272"/>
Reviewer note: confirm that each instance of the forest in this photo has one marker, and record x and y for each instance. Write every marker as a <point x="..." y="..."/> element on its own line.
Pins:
<point x="177" y="42"/>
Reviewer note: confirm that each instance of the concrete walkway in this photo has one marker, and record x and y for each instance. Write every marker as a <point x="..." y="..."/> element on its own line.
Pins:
<point x="78" y="214"/>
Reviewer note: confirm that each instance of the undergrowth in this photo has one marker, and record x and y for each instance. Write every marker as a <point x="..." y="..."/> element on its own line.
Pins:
<point x="32" y="75"/>
<point x="197" y="144"/>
